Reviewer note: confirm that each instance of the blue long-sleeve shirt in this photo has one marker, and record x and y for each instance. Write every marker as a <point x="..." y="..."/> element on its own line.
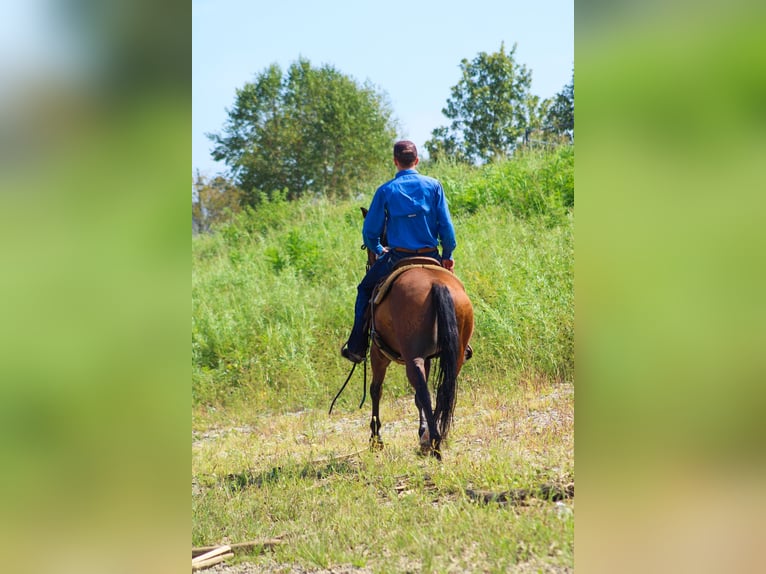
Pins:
<point x="417" y="213"/>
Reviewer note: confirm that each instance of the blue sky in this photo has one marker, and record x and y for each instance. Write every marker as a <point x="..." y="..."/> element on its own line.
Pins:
<point x="410" y="51"/>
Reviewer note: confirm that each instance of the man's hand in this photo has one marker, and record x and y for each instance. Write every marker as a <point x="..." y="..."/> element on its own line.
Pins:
<point x="449" y="265"/>
<point x="385" y="250"/>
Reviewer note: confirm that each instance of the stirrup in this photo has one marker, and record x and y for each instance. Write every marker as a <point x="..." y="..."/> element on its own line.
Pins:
<point x="346" y="353"/>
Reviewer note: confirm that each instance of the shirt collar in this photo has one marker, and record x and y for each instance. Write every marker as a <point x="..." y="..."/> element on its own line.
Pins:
<point x="406" y="172"/>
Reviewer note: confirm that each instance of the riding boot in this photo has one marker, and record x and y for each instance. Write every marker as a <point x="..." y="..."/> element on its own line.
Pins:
<point x="355" y="350"/>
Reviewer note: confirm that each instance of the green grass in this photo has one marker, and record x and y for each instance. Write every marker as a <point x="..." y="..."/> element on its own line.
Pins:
<point x="536" y="184"/>
<point x="285" y="475"/>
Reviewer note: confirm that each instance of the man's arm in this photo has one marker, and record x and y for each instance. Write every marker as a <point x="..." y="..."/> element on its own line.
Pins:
<point x="445" y="229"/>
<point x="374" y="223"/>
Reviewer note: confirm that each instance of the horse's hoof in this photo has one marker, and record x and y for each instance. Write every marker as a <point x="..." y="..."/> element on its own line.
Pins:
<point x="376" y="443"/>
<point x="435" y="446"/>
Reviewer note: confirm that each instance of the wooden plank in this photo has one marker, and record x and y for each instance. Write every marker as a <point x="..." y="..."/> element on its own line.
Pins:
<point x="211" y="553"/>
<point x="240" y="547"/>
<point x="210" y="561"/>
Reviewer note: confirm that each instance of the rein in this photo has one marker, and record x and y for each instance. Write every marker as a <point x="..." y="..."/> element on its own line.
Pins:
<point x="370" y="261"/>
<point x="364" y="395"/>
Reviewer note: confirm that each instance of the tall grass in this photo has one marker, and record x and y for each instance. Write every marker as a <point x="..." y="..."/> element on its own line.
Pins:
<point x="273" y="291"/>
<point x="269" y="307"/>
<point x="538" y="183"/>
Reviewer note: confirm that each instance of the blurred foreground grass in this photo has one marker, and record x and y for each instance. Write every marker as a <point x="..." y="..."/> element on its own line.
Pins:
<point x="94" y="401"/>
<point x="669" y="283"/>
<point x="94" y="288"/>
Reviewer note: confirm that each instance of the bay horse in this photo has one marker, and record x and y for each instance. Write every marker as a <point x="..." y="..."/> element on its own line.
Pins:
<point x="425" y="315"/>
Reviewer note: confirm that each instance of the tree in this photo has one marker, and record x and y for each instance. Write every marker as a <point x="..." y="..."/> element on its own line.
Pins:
<point x="444" y="145"/>
<point x="489" y="108"/>
<point x="536" y="110"/>
<point x="560" y="116"/>
<point x="213" y="201"/>
<point x="311" y="130"/>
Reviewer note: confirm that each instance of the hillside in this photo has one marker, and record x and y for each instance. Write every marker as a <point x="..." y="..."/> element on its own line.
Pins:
<point x="273" y="291"/>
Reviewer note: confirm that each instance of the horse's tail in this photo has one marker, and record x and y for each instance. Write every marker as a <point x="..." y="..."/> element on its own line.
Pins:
<point x="449" y="345"/>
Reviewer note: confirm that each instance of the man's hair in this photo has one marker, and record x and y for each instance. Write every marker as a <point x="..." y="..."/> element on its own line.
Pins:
<point x="405" y="153"/>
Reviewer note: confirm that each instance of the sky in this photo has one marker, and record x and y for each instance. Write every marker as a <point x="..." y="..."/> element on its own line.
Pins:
<point x="410" y="52"/>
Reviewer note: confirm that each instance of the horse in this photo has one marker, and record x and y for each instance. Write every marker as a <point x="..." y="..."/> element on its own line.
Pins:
<point x="426" y="314"/>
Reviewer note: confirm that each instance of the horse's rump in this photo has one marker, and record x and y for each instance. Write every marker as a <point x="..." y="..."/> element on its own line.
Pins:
<point x="405" y="320"/>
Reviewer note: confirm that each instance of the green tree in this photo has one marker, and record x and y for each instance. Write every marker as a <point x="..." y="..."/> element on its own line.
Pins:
<point x="213" y="201"/>
<point x="536" y="112"/>
<point x="490" y="108"/>
<point x="444" y="145"/>
<point x="560" y="116"/>
<point x="310" y="130"/>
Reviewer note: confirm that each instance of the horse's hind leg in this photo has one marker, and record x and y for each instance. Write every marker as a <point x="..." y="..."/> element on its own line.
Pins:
<point x="423" y="434"/>
<point x="379" y="365"/>
<point x="416" y="373"/>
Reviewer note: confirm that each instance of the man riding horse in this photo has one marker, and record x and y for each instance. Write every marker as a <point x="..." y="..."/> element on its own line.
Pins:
<point x="412" y="209"/>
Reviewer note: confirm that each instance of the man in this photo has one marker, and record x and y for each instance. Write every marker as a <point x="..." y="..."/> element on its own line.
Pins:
<point x="413" y="210"/>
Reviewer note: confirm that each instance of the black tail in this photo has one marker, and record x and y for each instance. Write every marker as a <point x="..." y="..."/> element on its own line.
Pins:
<point x="449" y="345"/>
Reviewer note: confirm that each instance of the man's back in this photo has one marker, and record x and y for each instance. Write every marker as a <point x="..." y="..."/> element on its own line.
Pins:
<point x="416" y="212"/>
